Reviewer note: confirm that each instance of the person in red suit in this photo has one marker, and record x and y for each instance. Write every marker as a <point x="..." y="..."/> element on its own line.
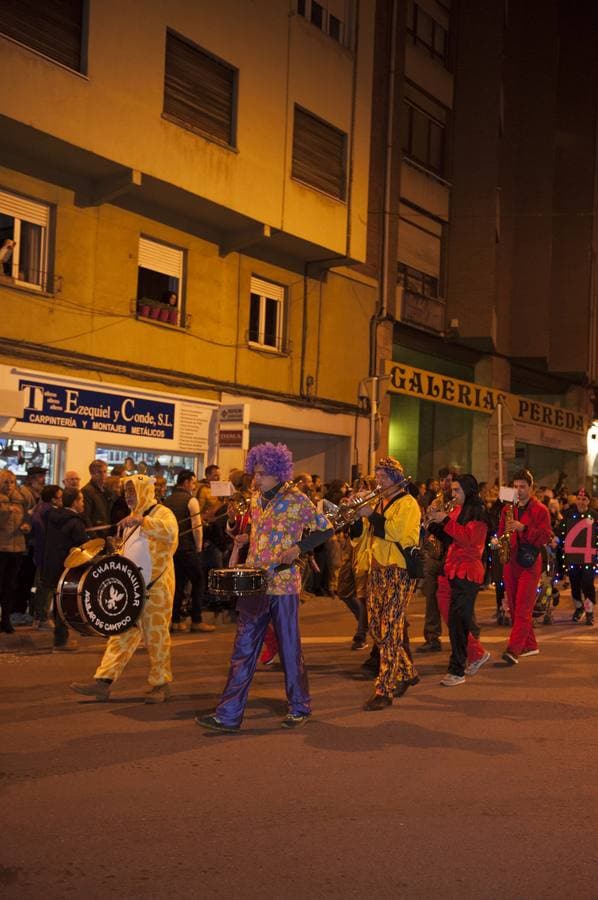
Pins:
<point x="463" y="576"/>
<point x="531" y="531"/>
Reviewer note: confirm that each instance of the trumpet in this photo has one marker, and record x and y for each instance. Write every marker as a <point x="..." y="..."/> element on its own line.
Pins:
<point x="345" y="514"/>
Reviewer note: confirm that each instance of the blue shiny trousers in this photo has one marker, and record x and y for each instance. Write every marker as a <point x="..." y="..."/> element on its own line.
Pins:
<point x="254" y="615"/>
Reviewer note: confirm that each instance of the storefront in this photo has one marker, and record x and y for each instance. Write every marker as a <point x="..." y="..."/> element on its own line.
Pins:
<point x="441" y="420"/>
<point x="67" y="422"/>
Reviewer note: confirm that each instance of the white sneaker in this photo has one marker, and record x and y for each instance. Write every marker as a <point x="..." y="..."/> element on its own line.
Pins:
<point x="529" y="652"/>
<point x="451" y="680"/>
<point x="474" y="667"/>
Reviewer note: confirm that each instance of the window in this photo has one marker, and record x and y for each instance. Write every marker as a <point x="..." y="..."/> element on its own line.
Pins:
<point x="417" y="282"/>
<point x="423" y="124"/>
<point x="266" y="314"/>
<point x="54" y="29"/>
<point x="420" y="251"/>
<point x="24" y="241"/>
<point x="159" y="281"/>
<point x="319" y="154"/>
<point x="328" y="16"/>
<point x="427" y="32"/>
<point x="199" y="90"/>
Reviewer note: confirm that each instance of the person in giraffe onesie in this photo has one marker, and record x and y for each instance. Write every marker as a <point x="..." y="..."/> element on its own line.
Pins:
<point x="150" y="531"/>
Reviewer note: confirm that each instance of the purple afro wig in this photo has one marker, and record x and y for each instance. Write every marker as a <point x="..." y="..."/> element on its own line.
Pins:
<point x="276" y="460"/>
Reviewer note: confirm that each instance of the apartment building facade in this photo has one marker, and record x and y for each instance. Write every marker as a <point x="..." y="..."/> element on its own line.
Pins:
<point x="181" y="207"/>
<point x="486" y="222"/>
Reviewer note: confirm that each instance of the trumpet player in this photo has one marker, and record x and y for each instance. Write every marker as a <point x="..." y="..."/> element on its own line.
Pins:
<point x="393" y="521"/>
<point x="434" y="556"/>
<point x="530" y="531"/>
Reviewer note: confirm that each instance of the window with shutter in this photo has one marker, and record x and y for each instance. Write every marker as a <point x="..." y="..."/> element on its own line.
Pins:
<point x="159" y="281"/>
<point x="199" y="90"/>
<point x="266" y="314"/>
<point x="54" y="29"/>
<point x="24" y="240"/>
<point x="319" y="154"/>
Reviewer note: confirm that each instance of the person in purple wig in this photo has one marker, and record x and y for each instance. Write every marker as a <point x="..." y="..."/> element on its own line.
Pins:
<point x="284" y="523"/>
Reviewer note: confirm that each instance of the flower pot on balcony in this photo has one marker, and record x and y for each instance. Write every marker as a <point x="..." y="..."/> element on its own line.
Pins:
<point x="173" y="316"/>
<point x="164" y="315"/>
<point x="154" y="312"/>
<point x="144" y="309"/>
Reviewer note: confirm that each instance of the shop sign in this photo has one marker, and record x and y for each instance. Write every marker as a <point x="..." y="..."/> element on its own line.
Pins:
<point x="232" y="413"/>
<point x="477" y="398"/>
<point x="230" y="438"/>
<point x="72" y="407"/>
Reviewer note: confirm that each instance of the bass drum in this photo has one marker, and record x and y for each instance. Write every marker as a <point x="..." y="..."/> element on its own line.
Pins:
<point x="104" y="596"/>
<point x="237" y="582"/>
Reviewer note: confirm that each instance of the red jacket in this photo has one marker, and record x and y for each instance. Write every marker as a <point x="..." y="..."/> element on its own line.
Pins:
<point x="464" y="557"/>
<point x="536" y="519"/>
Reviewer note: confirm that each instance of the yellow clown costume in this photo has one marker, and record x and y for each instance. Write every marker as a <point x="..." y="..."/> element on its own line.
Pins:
<point x="150" y="545"/>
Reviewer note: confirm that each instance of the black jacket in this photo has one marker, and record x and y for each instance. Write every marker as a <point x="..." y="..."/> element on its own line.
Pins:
<point x="65" y="529"/>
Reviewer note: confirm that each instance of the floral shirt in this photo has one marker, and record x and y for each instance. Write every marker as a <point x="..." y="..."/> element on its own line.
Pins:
<point x="277" y="524"/>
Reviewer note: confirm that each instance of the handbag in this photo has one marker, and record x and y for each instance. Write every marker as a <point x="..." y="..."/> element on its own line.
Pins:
<point x="527" y="554"/>
<point x="414" y="560"/>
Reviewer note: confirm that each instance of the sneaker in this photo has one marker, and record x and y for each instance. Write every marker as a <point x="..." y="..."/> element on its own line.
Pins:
<point x="589" y="618"/>
<point x="576" y="617"/>
<point x="268" y="660"/>
<point x="214" y="724"/>
<point x="202" y="626"/>
<point x="451" y="680"/>
<point x="158" y="694"/>
<point x="69" y="647"/>
<point x="475" y="666"/>
<point x="510" y="657"/>
<point x="532" y="652"/>
<point x="429" y="647"/>
<point x="359" y="644"/>
<point x="96" y="688"/>
<point x="376" y="702"/>
<point x="292" y="721"/>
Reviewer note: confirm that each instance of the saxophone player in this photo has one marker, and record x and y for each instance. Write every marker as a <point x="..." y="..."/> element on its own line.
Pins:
<point x="387" y="528"/>
<point x="530" y="531"/>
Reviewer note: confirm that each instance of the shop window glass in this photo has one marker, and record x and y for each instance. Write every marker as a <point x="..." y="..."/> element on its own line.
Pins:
<point x="152" y="462"/>
<point x="19" y="454"/>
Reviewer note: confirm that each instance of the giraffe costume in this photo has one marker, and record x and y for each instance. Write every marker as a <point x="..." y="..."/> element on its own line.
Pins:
<point x="160" y="529"/>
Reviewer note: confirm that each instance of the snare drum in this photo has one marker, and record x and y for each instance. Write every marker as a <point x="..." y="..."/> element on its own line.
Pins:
<point x="237" y="582"/>
<point x="104" y="596"/>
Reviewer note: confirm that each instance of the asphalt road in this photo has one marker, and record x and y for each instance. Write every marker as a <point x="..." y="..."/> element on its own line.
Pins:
<point x="485" y="790"/>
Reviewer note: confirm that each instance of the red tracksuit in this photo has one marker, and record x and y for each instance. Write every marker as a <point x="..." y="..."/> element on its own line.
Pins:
<point x="463" y="560"/>
<point x="521" y="583"/>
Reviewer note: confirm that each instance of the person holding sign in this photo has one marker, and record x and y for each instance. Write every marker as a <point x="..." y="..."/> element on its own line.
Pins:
<point x="529" y="532"/>
<point x="579" y="535"/>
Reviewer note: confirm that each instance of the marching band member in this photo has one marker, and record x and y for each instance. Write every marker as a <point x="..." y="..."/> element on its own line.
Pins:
<point x="531" y="531"/>
<point x="581" y="573"/>
<point x="394" y="520"/>
<point x="463" y="576"/>
<point x="154" y="530"/>
<point x="280" y="513"/>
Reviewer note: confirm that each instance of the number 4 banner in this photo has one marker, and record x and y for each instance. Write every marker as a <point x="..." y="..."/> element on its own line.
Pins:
<point x="580" y="543"/>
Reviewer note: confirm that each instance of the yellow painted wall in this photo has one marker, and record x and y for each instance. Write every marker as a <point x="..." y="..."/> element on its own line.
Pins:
<point x="96" y="261"/>
<point x="116" y="110"/>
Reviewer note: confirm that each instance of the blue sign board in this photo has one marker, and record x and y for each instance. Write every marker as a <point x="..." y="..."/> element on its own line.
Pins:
<point x="73" y="407"/>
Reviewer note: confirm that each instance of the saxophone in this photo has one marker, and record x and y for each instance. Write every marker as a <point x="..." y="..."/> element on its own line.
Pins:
<point x="504" y="541"/>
